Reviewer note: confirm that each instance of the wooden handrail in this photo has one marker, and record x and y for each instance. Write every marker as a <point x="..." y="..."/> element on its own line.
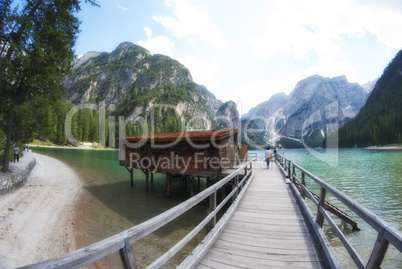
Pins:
<point x="386" y="234"/>
<point x="122" y="242"/>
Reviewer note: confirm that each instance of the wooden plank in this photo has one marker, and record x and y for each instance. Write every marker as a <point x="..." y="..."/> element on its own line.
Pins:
<point x="269" y="215"/>
<point x="266" y="231"/>
<point x="227" y="260"/>
<point x="258" y="252"/>
<point x="199" y="251"/>
<point x="287" y="219"/>
<point x="266" y="234"/>
<point x="275" y="241"/>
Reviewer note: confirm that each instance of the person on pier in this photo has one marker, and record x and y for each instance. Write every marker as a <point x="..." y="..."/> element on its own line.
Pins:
<point x="16" y="153"/>
<point x="267" y="156"/>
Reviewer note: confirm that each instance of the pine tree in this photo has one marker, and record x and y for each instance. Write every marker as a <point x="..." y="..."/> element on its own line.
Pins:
<point x="36" y="51"/>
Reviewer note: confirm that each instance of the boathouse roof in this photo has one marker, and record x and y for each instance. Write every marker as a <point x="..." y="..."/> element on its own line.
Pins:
<point x="205" y="135"/>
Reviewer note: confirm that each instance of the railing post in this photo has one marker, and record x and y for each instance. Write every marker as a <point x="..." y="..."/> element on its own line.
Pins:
<point x="320" y="216"/>
<point x="235" y="185"/>
<point x="245" y="175"/>
<point x="127" y="254"/>
<point x="212" y="207"/>
<point x="289" y="174"/>
<point x="379" y="250"/>
<point x="303" y="181"/>
<point x="293" y="174"/>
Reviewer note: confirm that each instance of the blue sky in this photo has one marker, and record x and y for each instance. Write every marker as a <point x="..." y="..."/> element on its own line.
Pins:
<point x="246" y="51"/>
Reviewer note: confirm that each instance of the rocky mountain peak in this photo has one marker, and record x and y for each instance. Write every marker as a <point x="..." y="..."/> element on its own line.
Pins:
<point x="134" y="81"/>
<point x="228" y="116"/>
<point x="79" y="62"/>
<point x="286" y="116"/>
<point x="126" y="47"/>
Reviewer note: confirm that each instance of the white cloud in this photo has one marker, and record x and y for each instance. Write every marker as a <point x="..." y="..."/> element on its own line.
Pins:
<point x="251" y="94"/>
<point x="122" y="8"/>
<point x="204" y="72"/>
<point x="298" y="27"/>
<point x="189" y="20"/>
<point x="385" y="23"/>
<point x="157" y="44"/>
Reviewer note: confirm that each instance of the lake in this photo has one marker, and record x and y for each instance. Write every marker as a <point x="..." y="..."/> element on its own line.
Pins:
<point x="370" y="177"/>
<point x="109" y="205"/>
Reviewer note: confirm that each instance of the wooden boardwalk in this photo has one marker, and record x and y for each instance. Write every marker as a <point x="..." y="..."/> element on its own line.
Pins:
<point x="266" y="231"/>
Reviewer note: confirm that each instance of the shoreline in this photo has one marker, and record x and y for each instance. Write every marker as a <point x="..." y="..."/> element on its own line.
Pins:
<point x="37" y="221"/>
<point x="384" y="148"/>
<point x="65" y="147"/>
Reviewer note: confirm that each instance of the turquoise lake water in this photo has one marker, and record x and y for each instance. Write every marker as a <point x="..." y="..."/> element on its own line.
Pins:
<point x="110" y="205"/>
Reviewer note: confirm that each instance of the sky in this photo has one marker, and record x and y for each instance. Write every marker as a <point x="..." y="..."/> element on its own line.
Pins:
<point x="249" y="50"/>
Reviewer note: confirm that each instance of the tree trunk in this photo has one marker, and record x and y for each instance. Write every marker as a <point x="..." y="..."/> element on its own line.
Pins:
<point x="6" y="160"/>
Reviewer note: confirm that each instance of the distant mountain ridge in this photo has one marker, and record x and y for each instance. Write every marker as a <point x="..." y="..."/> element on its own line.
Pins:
<point x="131" y="82"/>
<point x="286" y="120"/>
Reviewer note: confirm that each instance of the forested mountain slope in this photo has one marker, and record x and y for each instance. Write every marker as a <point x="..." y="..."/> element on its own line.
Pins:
<point x="380" y="120"/>
<point x="154" y="91"/>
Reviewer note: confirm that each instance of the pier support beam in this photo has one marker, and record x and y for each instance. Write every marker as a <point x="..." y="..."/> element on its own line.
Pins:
<point x="168" y="183"/>
<point x="146" y="172"/>
<point x="147" y="180"/>
<point x="192" y="183"/>
<point x="130" y="170"/>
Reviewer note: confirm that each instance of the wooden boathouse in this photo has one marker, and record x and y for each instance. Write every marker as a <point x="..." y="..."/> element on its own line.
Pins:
<point x="209" y="154"/>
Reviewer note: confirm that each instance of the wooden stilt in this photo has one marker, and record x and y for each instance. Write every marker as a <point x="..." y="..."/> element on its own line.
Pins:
<point x="168" y="181"/>
<point x="191" y="178"/>
<point x="223" y="192"/>
<point x="130" y="170"/>
<point x="147" y="180"/>
<point x="208" y="181"/>
<point x="185" y="183"/>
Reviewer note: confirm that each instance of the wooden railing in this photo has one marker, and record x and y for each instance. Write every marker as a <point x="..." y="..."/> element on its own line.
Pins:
<point x="123" y="242"/>
<point x="386" y="233"/>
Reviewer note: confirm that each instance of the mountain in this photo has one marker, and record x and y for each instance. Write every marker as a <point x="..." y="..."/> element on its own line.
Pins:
<point x="315" y="104"/>
<point x="228" y="116"/>
<point x="380" y="120"/>
<point x="369" y="86"/>
<point x="143" y="87"/>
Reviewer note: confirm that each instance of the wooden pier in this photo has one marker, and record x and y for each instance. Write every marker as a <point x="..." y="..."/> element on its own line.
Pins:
<point x="267" y="230"/>
<point x="267" y="225"/>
